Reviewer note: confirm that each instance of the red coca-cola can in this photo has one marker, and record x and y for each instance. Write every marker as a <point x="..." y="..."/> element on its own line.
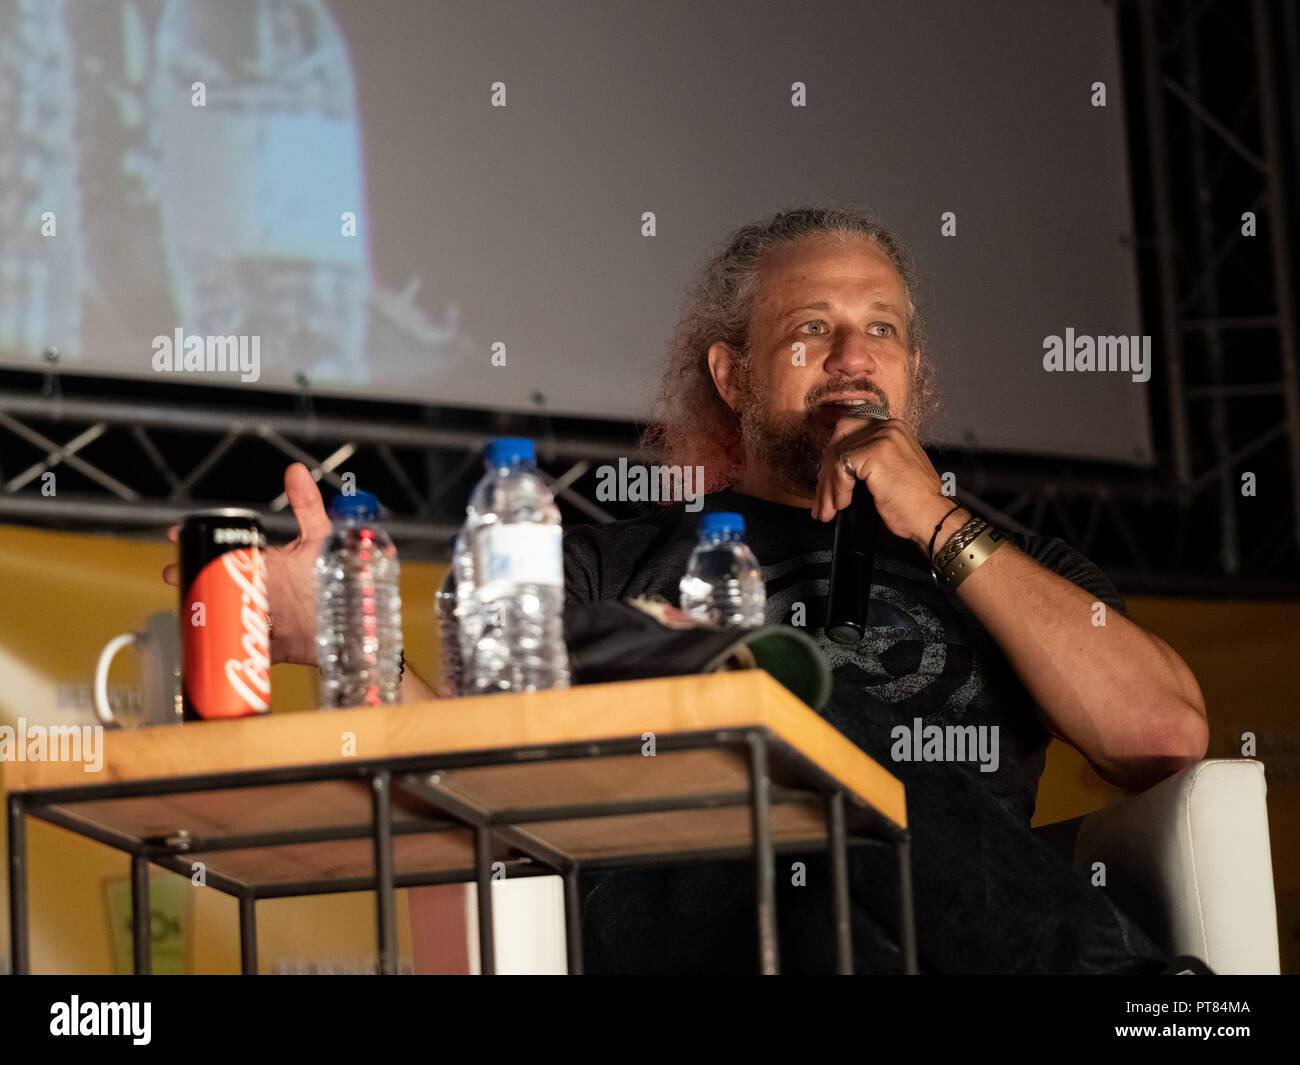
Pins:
<point x="225" y="616"/>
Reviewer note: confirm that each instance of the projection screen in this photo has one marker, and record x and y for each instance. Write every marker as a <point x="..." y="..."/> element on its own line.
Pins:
<point x="489" y="204"/>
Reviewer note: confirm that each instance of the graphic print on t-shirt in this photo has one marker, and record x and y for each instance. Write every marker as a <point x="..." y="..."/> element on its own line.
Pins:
<point x="914" y="647"/>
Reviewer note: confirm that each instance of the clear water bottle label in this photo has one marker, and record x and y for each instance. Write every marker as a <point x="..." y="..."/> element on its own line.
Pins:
<point x="518" y="553"/>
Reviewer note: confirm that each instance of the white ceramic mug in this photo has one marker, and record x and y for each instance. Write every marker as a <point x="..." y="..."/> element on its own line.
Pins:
<point x="159" y="649"/>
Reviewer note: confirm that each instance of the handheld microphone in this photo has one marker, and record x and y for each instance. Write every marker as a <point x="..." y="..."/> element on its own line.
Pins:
<point x="854" y="556"/>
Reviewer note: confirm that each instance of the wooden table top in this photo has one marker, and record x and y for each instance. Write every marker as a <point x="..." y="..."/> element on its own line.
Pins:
<point x="586" y="714"/>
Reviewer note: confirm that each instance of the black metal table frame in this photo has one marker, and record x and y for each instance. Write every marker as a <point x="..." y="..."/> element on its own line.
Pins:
<point x="418" y="777"/>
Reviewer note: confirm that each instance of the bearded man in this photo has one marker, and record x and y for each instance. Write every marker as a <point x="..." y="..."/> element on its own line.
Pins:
<point x="791" y="325"/>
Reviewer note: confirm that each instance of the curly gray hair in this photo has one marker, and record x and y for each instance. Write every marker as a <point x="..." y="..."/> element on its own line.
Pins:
<point x="692" y="425"/>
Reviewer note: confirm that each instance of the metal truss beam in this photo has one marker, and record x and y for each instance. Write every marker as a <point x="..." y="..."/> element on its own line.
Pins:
<point x="1124" y="518"/>
<point x="185" y="418"/>
<point x="1223" y="407"/>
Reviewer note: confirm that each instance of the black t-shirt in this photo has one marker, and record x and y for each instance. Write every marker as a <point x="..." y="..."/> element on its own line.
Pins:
<point x="924" y="656"/>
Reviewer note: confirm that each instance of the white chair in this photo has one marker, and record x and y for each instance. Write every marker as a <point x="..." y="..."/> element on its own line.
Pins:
<point x="1189" y="860"/>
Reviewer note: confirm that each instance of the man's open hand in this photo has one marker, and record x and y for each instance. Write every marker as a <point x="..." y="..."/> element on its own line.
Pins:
<point x="291" y="584"/>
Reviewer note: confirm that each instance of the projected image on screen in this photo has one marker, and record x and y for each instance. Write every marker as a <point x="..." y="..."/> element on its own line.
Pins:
<point x="245" y="181"/>
<point x="40" y="278"/>
<point x="198" y="165"/>
<point x="482" y="202"/>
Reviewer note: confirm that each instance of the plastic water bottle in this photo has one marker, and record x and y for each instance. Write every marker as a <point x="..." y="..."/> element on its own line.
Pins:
<point x="358" y="609"/>
<point x="458" y="614"/>
<point x="723" y="584"/>
<point x="453" y="659"/>
<point x="510" y="578"/>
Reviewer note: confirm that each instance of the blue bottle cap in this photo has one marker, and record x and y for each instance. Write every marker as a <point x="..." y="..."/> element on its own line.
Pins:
<point x="507" y="449"/>
<point x="722" y="521"/>
<point x="357" y="505"/>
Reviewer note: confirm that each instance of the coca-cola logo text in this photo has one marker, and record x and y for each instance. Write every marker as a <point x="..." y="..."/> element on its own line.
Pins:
<point x="251" y="675"/>
<point x="227" y="656"/>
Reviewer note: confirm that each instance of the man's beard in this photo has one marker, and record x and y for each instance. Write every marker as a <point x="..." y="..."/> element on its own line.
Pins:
<point x="791" y="445"/>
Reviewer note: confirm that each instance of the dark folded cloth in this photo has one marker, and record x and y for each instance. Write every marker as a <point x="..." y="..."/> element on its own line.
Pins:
<point x="613" y="640"/>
